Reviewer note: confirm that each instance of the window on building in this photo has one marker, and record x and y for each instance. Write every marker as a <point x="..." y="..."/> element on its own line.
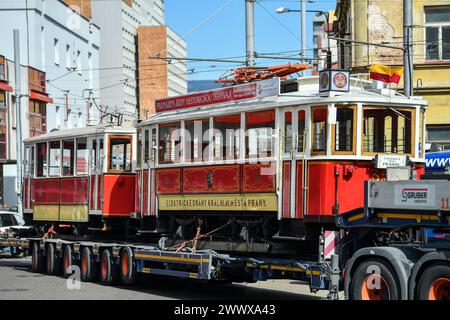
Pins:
<point x="169" y="143"/>
<point x="68" y="156"/>
<point x="79" y="62"/>
<point x="37" y="118"/>
<point x="68" y="57"/>
<point x="301" y="132"/>
<point x="36" y="80"/>
<point x="82" y="156"/>
<point x="56" y="51"/>
<point x="196" y="138"/>
<point x="2" y="68"/>
<point x="260" y="130"/>
<point x="437" y="32"/>
<point x="54" y="156"/>
<point x="41" y="165"/>
<point x="387" y="131"/>
<point x="319" y="129"/>
<point x="3" y="140"/>
<point x="343" y="130"/>
<point x="120" y="153"/>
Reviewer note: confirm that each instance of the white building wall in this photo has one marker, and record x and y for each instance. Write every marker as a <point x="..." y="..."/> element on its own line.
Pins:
<point x="177" y="77"/>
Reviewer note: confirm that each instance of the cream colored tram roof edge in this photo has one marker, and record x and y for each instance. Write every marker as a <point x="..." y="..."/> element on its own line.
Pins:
<point x="80" y="132"/>
<point x="297" y="98"/>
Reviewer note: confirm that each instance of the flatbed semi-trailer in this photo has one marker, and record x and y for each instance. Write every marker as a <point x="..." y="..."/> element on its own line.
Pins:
<point x="383" y="252"/>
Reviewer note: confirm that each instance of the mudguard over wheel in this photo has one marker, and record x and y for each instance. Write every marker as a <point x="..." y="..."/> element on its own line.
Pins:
<point x="374" y="279"/>
<point x="435" y="283"/>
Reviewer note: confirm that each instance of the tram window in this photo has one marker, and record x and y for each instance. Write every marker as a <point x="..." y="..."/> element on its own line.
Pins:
<point x="101" y="154"/>
<point x="94" y="160"/>
<point x="54" y="159"/>
<point x="227" y="137"/>
<point x="139" y="148"/>
<point x="196" y="137"/>
<point x="260" y="129"/>
<point x="154" y="143"/>
<point x="387" y="131"/>
<point x="319" y="121"/>
<point x="82" y="156"/>
<point x="68" y="156"/>
<point x="169" y="143"/>
<point x="287" y="132"/>
<point x="120" y="153"/>
<point x="41" y="168"/>
<point x="31" y="162"/>
<point x="301" y="131"/>
<point x="146" y="146"/>
<point x="27" y="161"/>
<point x="343" y="130"/>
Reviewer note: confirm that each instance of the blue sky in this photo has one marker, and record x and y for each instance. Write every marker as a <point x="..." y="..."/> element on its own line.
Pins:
<point x="222" y="35"/>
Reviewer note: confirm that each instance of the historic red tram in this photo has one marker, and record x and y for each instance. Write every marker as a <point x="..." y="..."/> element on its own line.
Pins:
<point x="270" y="160"/>
<point x="80" y="177"/>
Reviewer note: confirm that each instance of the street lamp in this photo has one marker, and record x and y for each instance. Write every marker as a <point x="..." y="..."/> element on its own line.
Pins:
<point x="329" y="57"/>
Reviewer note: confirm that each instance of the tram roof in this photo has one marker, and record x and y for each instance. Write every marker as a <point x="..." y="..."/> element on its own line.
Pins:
<point x="308" y="94"/>
<point x="80" y="132"/>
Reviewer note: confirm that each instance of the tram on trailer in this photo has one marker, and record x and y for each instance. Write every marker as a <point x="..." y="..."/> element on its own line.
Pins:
<point x="272" y="160"/>
<point x="80" y="178"/>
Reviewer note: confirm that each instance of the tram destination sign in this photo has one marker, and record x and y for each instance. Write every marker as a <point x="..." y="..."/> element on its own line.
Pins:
<point x="254" y="90"/>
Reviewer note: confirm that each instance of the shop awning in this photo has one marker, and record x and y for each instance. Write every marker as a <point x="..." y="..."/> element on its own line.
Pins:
<point x="40" y="96"/>
<point x="5" y="87"/>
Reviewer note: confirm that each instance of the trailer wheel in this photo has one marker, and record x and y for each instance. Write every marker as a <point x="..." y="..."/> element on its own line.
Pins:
<point x="51" y="259"/>
<point x="67" y="260"/>
<point x="88" y="265"/>
<point x="374" y="279"/>
<point x="128" y="271"/>
<point x="108" y="271"/>
<point x="36" y="258"/>
<point x="435" y="283"/>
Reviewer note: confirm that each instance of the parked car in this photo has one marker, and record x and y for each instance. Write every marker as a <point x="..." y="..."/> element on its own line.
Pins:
<point x="10" y="219"/>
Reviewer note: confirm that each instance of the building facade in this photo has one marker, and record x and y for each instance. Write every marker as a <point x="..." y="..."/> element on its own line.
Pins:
<point x="59" y="54"/>
<point x="119" y="82"/>
<point x="159" y="78"/>
<point x="322" y="30"/>
<point x="381" y="22"/>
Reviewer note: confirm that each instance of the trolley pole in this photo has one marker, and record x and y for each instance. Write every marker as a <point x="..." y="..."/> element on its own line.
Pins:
<point x="250" y="31"/>
<point x="18" y="122"/>
<point x="408" y="47"/>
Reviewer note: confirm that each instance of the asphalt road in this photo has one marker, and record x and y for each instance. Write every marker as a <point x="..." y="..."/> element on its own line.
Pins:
<point x="18" y="282"/>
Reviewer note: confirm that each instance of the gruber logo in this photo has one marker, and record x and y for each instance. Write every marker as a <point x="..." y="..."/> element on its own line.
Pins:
<point x="324" y="80"/>
<point x="418" y="195"/>
<point x="340" y="80"/>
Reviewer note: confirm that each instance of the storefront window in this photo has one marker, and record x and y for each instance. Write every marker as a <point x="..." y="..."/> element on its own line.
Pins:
<point x="169" y="143"/>
<point x="227" y="137"/>
<point x="260" y="134"/>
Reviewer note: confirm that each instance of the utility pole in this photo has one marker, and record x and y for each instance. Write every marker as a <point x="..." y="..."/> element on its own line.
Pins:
<point x="250" y="31"/>
<point x="18" y="121"/>
<point x="408" y="47"/>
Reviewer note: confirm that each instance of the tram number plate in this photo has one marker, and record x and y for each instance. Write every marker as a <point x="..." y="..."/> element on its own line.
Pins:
<point x="390" y="161"/>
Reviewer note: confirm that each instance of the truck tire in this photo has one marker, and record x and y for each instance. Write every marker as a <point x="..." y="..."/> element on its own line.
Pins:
<point x="36" y="258"/>
<point x="67" y="261"/>
<point x="51" y="259"/>
<point x="435" y="283"/>
<point x="108" y="271"/>
<point x="88" y="265"/>
<point x="128" y="271"/>
<point x="367" y="284"/>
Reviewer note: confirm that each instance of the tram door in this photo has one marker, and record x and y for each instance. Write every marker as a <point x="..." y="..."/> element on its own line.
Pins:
<point x="96" y="175"/>
<point x="294" y="151"/>
<point x="148" y="176"/>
